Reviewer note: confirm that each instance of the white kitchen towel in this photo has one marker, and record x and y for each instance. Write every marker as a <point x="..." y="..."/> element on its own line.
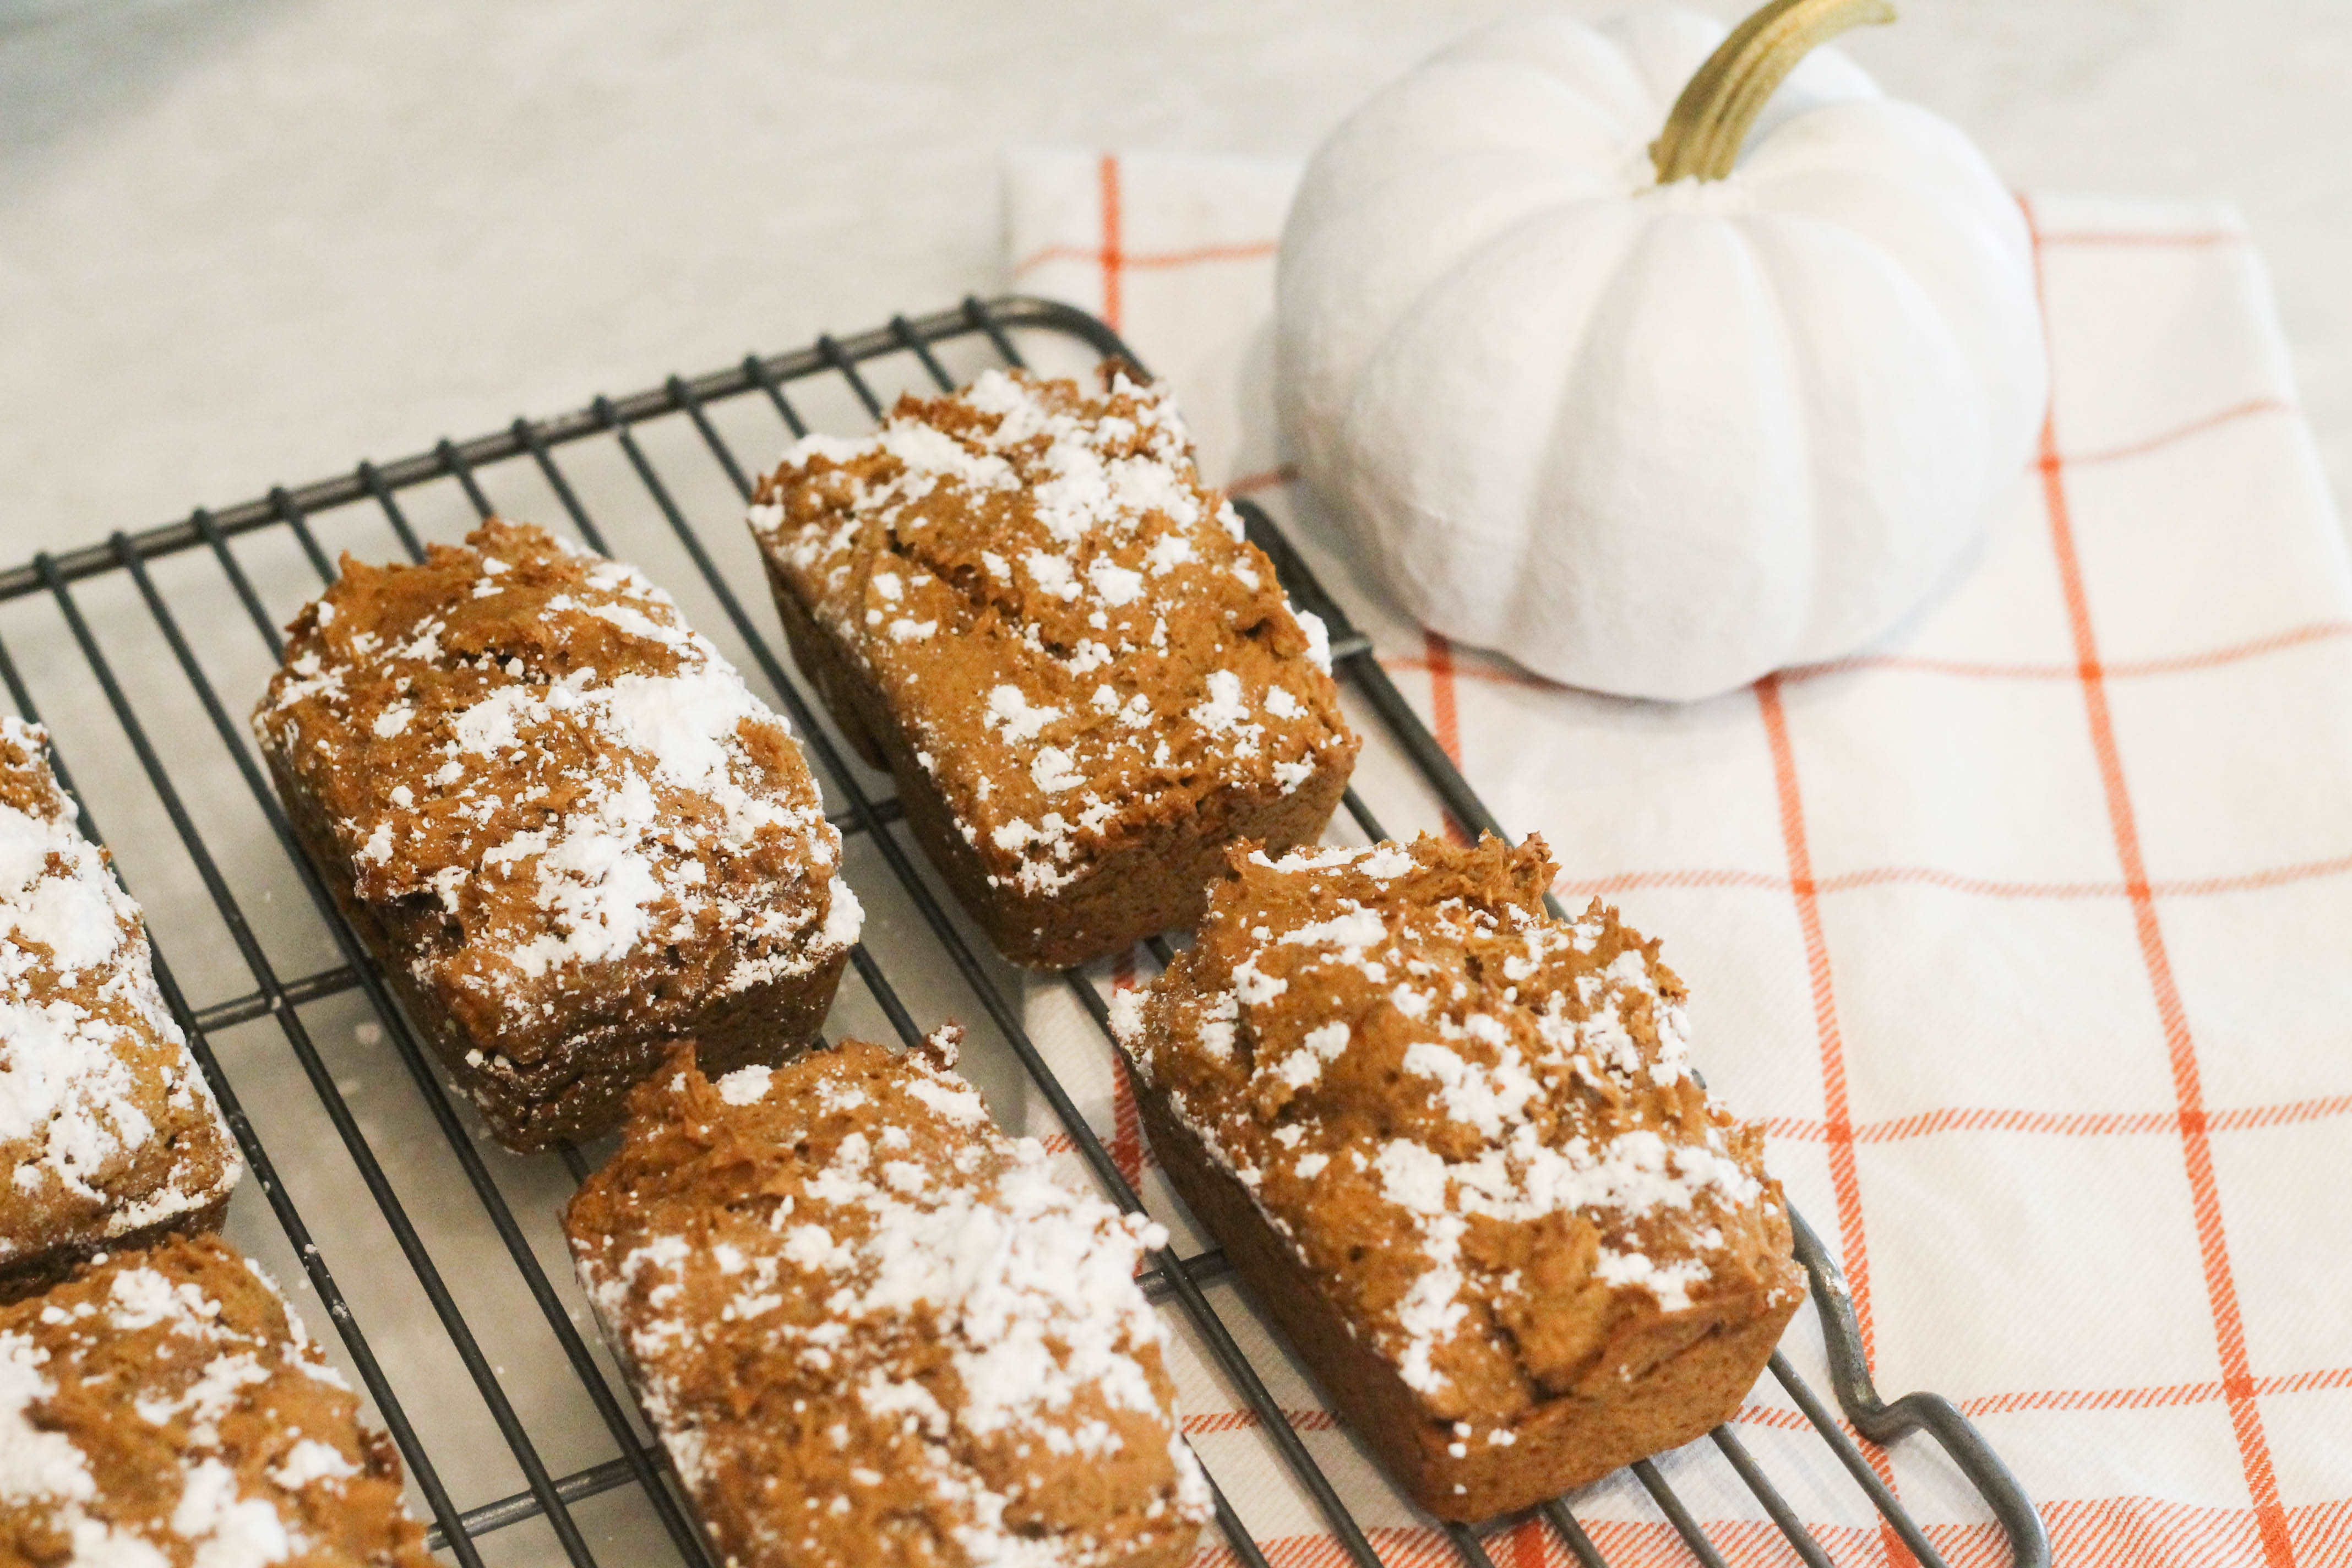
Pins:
<point x="2028" y="932"/>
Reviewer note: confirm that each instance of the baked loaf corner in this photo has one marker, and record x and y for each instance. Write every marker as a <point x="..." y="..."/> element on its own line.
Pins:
<point x="108" y="1136"/>
<point x="1022" y="601"/>
<point x="167" y="1407"/>
<point x="563" y="826"/>
<point x="1456" y="1150"/>
<point x="872" y="1330"/>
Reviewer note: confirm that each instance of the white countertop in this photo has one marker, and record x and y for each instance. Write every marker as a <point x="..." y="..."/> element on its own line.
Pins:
<point x="247" y="243"/>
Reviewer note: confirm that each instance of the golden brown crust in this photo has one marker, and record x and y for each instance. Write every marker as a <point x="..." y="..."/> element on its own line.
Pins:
<point x="1022" y="601"/>
<point x="869" y="1328"/>
<point x="1455" y="1150"/>
<point x="562" y="826"/>
<point x="107" y="1128"/>
<point x="168" y="1399"/>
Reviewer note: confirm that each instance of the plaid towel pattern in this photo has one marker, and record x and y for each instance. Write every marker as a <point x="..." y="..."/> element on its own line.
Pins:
<point x="2029" y="930"/>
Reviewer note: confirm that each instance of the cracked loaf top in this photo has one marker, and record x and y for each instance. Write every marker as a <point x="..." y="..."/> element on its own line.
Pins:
<point x="1477" y="1125"/>
<point x="164" y="1409"/>
<point x="1071" y="628"/>
<point x="586" y="818"/>
<point x="873" y="1329"/>
<point x="106" y="1127"/>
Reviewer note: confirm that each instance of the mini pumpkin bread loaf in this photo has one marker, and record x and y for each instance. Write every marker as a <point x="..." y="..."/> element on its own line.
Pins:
<point x="166" y="1408"/>
<point x="1455" y="1150"/>
<point x="1022" y="601"/>
<point x="108" y="1134"/>
<point x="565" y="829"/>
<point x="872" y="1330"/>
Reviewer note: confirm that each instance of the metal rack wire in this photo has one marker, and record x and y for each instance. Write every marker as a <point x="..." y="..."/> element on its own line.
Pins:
<point x="164" y="723"/>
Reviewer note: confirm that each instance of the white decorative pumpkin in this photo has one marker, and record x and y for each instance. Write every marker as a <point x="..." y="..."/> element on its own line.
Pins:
<point x="1657" y="437"/>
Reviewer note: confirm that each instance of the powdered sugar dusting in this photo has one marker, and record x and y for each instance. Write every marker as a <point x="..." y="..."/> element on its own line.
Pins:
<point x="582" y="784"/>
<point x="207" y="1366"/>
<point x="924" y="1220"/>
<point x="1135" y="648"/>
<point x="1454" y="1058"/>
<point x="95" y="1077"/>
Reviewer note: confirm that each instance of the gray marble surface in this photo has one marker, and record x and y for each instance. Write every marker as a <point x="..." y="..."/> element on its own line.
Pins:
<point x="245" y="242"/>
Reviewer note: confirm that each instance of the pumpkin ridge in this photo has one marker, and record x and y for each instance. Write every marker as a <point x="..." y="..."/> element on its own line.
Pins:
<point x="1426" y="305"/>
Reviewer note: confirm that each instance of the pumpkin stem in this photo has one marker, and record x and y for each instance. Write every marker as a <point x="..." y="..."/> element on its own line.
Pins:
<point x="1711" y="120"/>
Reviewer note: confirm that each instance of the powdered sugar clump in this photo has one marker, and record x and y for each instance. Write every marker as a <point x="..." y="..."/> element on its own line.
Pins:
<point x="744" y="1086"/>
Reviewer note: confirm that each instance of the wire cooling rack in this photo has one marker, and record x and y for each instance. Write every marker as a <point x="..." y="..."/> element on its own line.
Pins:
<point x="144" y="655"/>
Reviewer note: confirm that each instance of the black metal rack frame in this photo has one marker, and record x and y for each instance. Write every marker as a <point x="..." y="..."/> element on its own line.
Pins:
<point x="989" y="330"/>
